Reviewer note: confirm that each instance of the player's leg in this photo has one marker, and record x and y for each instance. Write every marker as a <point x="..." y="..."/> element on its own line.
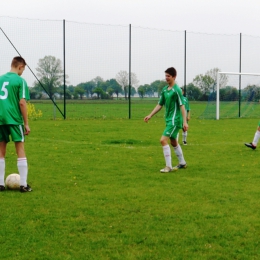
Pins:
<point x="166" y="153"/>
<point x="2" y="165"/>
<point x="253" y="145"/>
<point x="178" y="152"/>
<point x="17" y="133"/>
<point x="4" y="139"/>
<point x="256" y="136"/>
<point x="184" y="137"/>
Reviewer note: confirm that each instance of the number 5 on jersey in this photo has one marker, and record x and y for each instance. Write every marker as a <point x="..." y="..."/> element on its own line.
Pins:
<point x="4" y="89"/>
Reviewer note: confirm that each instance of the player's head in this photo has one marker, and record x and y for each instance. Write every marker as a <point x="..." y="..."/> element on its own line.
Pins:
<point x="170" y="74"/>
<point x="18" y="65"/>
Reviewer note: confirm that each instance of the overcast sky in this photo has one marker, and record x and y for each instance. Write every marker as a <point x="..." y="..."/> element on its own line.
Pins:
<point x="212" y="26"/>
<point x="206" y="16"/>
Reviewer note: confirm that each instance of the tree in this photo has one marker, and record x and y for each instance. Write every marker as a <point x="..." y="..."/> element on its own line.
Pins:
<point x="141" y="91"/>
<point x="88" y="87"/>
<point x="155" y="85"/>
<point x="110" y="91"/>
<point x="79" y="91"/>
<point x="115" y="86"/>
<point x="204" y="83"/>
<point x="161" y="85"/>
<point x="122" y="78"/>
<point x="35" y="92"/>
<point x="103" y="85"/>
<point x="97" y="79"/>
<point x="208" y="82"/>
<point x="223" y="78"/>
<point x="193" y="92"/>
<point x="134" y="80"/>
<point x="50" y="74"/>
<point x="251" y="93"/>
<point x="133" y="91"/>
<point x="228" y="94"/>
<point x="98" y="91"/>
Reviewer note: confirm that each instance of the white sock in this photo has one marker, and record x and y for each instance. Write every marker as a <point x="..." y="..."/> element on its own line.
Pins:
<point x="2" y="171"/>
<point x="167" y="155"/>
<point x="256" y="138"/>
<point x="23" y="170"/>
<point x="184" y="136"/>
<point x="179" y="154"/>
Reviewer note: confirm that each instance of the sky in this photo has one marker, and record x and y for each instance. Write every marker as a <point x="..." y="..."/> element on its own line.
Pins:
<point x="205" y="16"/>
<point x="96" y="48"/>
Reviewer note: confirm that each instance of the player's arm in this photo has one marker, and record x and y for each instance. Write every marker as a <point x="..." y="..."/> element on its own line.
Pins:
<point x="188" y="111"/>
<point x="23" y="108"/>
<point x="183" y="112"/>
<point x="188" y="115"/>
<point x="155" y="110"/>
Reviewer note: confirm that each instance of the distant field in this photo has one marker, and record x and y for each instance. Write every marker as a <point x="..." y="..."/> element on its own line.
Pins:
<point x="84" y="109"/>
<point x="98" y="193"/>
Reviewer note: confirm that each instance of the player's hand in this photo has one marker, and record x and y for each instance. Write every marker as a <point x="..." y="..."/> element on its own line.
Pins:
<point x="185" y="127"/>
<point x="147" y="118"/>
<point x="27" y="129"/>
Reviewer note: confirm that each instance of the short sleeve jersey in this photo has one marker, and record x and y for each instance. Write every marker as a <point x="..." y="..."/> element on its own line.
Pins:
<point x="172" y="100"/>
<point x="186" y="103"/>
<point x="13" y="88"/>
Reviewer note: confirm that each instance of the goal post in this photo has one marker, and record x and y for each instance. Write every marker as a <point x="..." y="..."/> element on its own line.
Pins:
<point x="240" y="74"/>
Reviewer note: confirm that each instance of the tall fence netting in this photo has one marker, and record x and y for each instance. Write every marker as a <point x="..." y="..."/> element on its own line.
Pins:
<point x="99" y="60"/>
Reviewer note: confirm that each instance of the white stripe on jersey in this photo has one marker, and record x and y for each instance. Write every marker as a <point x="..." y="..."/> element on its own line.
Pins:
<point x="21" y="130"/>
<point x="179" y="99"/>
<point x="175" y="109"/>
<point x="23" y="90"/>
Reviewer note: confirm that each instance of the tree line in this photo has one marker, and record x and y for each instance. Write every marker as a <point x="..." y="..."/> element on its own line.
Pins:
<point x="203" y="87"/>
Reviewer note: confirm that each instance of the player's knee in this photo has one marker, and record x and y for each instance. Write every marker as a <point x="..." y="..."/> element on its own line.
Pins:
<point x="164" y="141"/>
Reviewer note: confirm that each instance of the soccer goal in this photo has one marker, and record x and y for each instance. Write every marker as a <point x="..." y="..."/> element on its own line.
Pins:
<point x="234" y="95"/>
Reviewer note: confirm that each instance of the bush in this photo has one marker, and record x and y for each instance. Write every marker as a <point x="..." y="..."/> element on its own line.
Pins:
<point x="32" y="112"/>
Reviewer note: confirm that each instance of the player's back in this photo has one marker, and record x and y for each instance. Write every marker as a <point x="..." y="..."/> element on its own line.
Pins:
<point x="12" y="88"/>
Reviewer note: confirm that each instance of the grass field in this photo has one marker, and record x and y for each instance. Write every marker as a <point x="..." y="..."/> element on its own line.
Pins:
<point x="98" y="193"/>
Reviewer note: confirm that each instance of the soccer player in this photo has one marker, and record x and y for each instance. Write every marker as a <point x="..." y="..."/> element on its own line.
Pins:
<point x="175" y="117"/>
<point x="255" y="140"/>
<point x="14" y="120"/>
<point x="187" y="109"/>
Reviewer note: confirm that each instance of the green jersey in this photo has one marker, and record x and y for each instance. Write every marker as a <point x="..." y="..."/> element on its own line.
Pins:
<point x="12" y="89"/>
<point x="172" y="100"/>
<point x="186" y="104"/>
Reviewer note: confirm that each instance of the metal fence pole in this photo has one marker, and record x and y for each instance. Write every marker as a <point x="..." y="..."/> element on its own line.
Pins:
<point x="185" y="56"/>
<point x="129" y="88"/>
<point x="64" y="72"/>
<point x="240" y="66"/>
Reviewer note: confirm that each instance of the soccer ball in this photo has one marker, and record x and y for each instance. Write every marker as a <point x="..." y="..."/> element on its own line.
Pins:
<point x="12" y="181"/>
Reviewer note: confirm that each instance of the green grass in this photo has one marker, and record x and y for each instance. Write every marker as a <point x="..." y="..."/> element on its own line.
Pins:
<point x="98" y="193"/>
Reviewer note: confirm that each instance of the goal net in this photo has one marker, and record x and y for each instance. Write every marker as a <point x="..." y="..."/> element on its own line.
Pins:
<point x="234" y="95"/>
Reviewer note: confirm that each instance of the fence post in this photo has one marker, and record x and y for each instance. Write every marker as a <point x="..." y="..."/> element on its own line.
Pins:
<point x="240" y="66"/>
<point x="185" y="56"/>
<point x="129" y="88"/>
<point x="64" y="72"/>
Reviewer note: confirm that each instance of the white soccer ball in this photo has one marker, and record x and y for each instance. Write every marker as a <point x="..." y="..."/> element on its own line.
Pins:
<point x="12" y="181"/>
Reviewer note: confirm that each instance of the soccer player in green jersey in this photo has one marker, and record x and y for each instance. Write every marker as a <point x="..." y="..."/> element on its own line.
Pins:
<point x="255" y="140"/>
<point x="13" y="119"/>
<point x="175" y="117"/>
<point x="187" y="109"/>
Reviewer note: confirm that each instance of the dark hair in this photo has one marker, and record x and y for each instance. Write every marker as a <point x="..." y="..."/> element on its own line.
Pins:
<point x="172" y="71"/>
<point x="17" y="61"/>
